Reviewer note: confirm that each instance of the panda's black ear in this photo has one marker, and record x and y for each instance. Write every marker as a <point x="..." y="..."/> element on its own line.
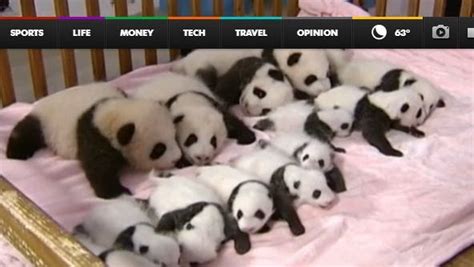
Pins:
<point x="276" y="74"/>
<point x="441" y="104"/>
<point x="178" y="119"/>
<point x="167" y="223"/>
<point x="293" y="59"/>
<point x="125" y="133"/>
<point x="124" y="239"/>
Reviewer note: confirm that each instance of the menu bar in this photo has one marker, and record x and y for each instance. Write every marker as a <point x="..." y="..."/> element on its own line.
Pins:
<point x="236" y="32"/>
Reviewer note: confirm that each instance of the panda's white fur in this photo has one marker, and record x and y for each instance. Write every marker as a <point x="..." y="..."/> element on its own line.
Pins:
<point x="87" y="242"/>
<point x="364" y="72"/>
<point x="123" y="222"/>
<point x="277" y="93"/>
<point x="344" y="96"/>
<point x="300" y="182"/>
<point x="195" y="111"/>
<point x="153" y="127"/>
<point x="431" y="96"/>
<point x="338" y="58"/>
<point x="252" y="204"/>
<point x="219" y="59"/>
<point x="307" y="69"/>
<point x="392" y="102"/>
<point x="311" y="153"/>
<point x="60" y="112"/>
<point x="125" y="258"/>
<point x="203" y="237"/>
<point x="339" y="120"/>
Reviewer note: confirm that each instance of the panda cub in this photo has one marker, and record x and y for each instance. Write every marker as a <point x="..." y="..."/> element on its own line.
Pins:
<point x="123" y="223"/>
<point x="209" y="64"/>
<point x="307" y="69"/>
<point x="202" y="124"/>
<point x="289" y="182"/>
<point x="125" y="258"/>
<point x="344" y="97"/>
<point x="249" y="200"/>
<point x="431" y="96"/>
<point x="378" y="112"/>
<point x="194" y="213"/>
<point x="254" y="84"/>
<point x="102" y="128"/>
<point x="301" y="117"/>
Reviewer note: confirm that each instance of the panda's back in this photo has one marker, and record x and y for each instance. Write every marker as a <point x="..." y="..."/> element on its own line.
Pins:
<point x="223" y="179"/>
<point x="60" y="112"/>
<point x="364" y="72"/>
<point x="345" y="97"/>
<point x="291" y="117"/>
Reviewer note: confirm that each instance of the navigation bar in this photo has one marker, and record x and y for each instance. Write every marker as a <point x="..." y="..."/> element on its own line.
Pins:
<point x="236" y="32"/>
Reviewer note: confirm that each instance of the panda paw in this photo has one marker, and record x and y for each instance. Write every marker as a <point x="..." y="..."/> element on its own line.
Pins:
<point x="416" y="133"/>
<point x="393" y="153"/>
<point x="297" y="229"/>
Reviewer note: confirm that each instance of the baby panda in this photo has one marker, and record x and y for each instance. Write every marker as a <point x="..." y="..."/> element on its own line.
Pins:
<point x="378" y="112"/>
<point x="202" y="124"/>
<point x="311" y="153"/>
<point x="301" y="117"/>
<point x="290" y="183"/>
<point x="307" y="69"/>
<point x="249" y="200"/>
<point x="429" y="94"/>
<point x="125" y="258"/>
<point x="343" y="97"/>
<point x="194" y="213"/>
<point x="209" y="64"/>
<point x="103" y="129"/>
<point x="256" y="85"/>
<point x="123" y="223"/>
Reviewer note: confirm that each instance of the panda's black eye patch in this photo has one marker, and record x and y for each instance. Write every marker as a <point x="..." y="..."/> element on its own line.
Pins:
<point x="305" y="157"/>
<point x="189" y="226"/>
<point x="178" y="119"/>
<point x="143" y="249"/>
<point x="192" y="138"/>
<point x="276" y="74"/>
<point x="293" y="59"/>
<point x="316" y="194"/>
<point x="336" y="107"/>
<point x="239" y="214"/>
<point x="259" y="92"/>
<point x="265" y="111"/>
<point x="345" y="126"/>
<point x="296" y="185"/>
<point x="409" y="82"/>
<point x="310" y="79"/>
<point x="431" y="106"/>
<point x="214" y="141"/>
<point x="259" y="214"/>
<point x="405" y="108"/>
<point x="125" y="134"/>
<point x="418" y="114"/>
<point x="321" y="163"/>
<point x="158" y="151"/>
<point x="422" y="97"/>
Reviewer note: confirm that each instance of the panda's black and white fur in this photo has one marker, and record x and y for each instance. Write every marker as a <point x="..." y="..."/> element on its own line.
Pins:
<point x="123" y="223"/>
<point x="378" y="112"/>
<point x="256" y="85"/>
<point x="341" y="97"/>
<point x="430" y="95"/>
<point x="209" y="64"/>
<point x="301" y="117"/>
<point x="195" y="214"/>
<point x="102" y="128"/>
<point x="249" y="200"/>
<point x="307" y="69"/>
<point x="289" y="182"/>
<point x="202" y="124"/>
<point x="125" y="258"/>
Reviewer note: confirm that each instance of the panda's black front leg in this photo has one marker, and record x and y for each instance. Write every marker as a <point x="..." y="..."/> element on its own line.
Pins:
<point x="286" y="211"/>
<point x="335" y="180"/>
<point x="237" y="129"/>
<point x="375" y="135"/>
<point x="409" y="130"/>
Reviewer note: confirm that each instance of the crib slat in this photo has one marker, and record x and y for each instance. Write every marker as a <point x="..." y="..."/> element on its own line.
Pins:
<point x="466" y="8"/>
<point x="217" y="7"/>
<point x="7" y="94"/>
<point x="381" y="7"/>
<point x="276" y="8"/>
<point x="238" y="7"/>
<point x="413" y="7"/>
<point x="258" y="8"/>
<point x="148" y="9"/>
<point x="125" y="55"/>
<point x="67" y="55"/>
<point x="35" y="56"/>
<point x="173" y="11"/>
<point x="439" y="8"/>
<point x="196" y="7"/>
<point x="293" y="8"/>
<point x="97" y="55"/>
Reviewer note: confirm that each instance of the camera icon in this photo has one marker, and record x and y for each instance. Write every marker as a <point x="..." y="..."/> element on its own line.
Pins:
<point x="440" y="32"/>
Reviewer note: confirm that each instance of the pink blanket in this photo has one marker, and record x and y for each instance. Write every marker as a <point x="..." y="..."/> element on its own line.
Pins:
<point x="416" y="210"/>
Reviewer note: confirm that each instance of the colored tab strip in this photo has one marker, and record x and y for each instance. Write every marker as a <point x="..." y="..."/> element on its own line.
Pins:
<point x="252" y="18"/>
<point x="28" y="18"/>
<point x="137" y="18"/>
<point x="82" y="18"/>
<point x="193" y="18"/>
<point x="387" y="18"/>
